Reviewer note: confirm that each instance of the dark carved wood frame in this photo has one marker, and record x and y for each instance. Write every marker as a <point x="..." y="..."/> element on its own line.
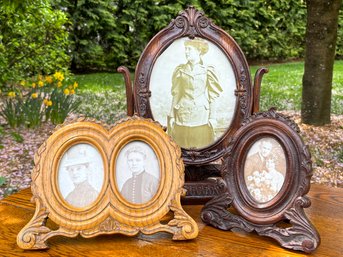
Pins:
<point x="192" y="23"/>
<point x="287" y="205"/>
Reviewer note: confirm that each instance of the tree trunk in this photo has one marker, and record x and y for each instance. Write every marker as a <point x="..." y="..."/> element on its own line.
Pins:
<point x="321" y="35"/>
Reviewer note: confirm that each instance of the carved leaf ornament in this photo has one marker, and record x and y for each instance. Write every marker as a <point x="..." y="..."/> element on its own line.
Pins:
<point x="110" y="212"/>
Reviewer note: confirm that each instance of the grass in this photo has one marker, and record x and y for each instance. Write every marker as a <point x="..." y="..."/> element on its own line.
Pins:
<point x="100" y="82"/>
<point x="103" y="94"/>
<point x="282" y="86"/>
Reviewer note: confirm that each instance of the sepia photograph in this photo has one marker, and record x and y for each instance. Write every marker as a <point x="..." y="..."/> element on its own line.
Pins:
<point x="196" y="100"/>
<point x="81" y="175"/>
<point x="265" y="169"/>
<point x="137" y="172"/>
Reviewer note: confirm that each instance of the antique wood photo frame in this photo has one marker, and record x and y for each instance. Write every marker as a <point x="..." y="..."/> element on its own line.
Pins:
<point x="268" y="198"/>
<point x="193" y="78"/>
<point x="114" y="202"/>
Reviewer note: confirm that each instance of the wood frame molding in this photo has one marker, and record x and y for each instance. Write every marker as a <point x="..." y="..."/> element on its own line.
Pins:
<point x="192" y="23"/>
<point x="110" y="213"/>
<point x="287" y="205"/>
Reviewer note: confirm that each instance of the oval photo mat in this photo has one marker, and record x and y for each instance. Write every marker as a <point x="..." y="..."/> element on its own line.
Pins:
<point x="138" y="173"/>
<point x="265" y="169"/>
<point x="72" y="145"/>
<point x="81" y="175"/>
<point x="165" y="168"/>
<point x="168" y="96"/>
<point x="291" y="169"/>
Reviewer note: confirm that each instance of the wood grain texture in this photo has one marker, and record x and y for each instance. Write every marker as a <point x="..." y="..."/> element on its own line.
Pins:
<point x="192" y="23"/>
<point x="264" y="217"/>
<point x="109" y="212"/>
<point x="326" y="213"/>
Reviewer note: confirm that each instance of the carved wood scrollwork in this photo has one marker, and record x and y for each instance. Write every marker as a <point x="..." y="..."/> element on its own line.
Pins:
<point x="288" y="204"/>
<point x="192" y="24"/>
<point x="110" y="212"/>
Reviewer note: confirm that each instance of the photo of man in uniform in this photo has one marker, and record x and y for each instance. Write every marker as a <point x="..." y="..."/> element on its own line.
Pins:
<point x="142" y="185"/>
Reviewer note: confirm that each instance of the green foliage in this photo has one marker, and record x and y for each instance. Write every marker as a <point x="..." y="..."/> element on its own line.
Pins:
<point x="17" y="137"/>
<point x="62" y="105"/>
<point x="107" y="34"/>
<point x="2" y="133"/>
<point x="33" y="40"/>
<point x="40" y="99"/>
<point x="3" y="181"/>
<point x="270" y="30"/>
<point x="11" y="112"/>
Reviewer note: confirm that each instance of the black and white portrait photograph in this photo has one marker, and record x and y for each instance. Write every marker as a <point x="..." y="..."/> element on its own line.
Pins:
<point x="264" y="169"/>
<point x="192" y="92"/>
<point x="137" y="172"/>
<point x="81" y="175"/>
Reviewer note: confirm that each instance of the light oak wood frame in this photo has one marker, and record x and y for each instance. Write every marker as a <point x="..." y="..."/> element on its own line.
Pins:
<point x="110" y="213"/>
<point x="266" y="218"/>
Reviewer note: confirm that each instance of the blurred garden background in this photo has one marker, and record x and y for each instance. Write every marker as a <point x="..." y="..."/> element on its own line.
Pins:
<point x="58" y="60"/>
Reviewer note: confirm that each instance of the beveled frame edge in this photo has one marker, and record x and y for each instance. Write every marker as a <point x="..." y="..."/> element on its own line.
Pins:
<point x="35" y="233"/>
<point x="193" y="23"/>
<point x="301" y="234"/>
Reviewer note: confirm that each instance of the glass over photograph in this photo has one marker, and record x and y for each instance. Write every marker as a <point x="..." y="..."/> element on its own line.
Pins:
<point x="192" y="92"/>
<point x="137" y="172"/>
<point x="81" y="175"/>
<point x="265" y="169"/>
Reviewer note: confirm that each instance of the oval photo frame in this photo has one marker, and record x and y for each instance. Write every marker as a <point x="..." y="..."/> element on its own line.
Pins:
<point x="78" y="142"/>
<point x="222" y="81"/>
<point x="131" y="138"/>
<point x="290" y="182"/>
<point x="102" y="206"/>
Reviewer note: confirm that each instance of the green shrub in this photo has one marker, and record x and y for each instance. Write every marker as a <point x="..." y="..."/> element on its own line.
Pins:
<point x="106" y="34"/>
<point x="33" y="40"/>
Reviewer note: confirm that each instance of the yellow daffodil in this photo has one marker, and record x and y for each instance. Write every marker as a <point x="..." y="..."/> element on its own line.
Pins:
<point x="72" y="91"/>
<point x="66" y="91"/>
<point x="40" y="83"/>
<point x="47" y="102"/>
<point x="34" y="85"/>
<point x="70" y="87"/>
<point x="59" y="76"/>
<point x="11" y="94"/>
<point x="48" y="79"/>
<point x="75" y="85"/>
<point x="34" y="95"/>
<point x="59" y="84"/>
<point x="23" y="82"/>
<point x="40" y="77"/>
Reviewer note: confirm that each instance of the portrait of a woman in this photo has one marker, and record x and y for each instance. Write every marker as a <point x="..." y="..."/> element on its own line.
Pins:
<point x="195" y="86"/>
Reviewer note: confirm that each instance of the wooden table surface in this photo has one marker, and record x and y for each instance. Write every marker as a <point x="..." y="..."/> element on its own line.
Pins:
<point x="326" y="213"/>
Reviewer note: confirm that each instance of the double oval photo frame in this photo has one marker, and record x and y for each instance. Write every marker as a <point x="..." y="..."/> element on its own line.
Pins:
<point x="96" y="200"/>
